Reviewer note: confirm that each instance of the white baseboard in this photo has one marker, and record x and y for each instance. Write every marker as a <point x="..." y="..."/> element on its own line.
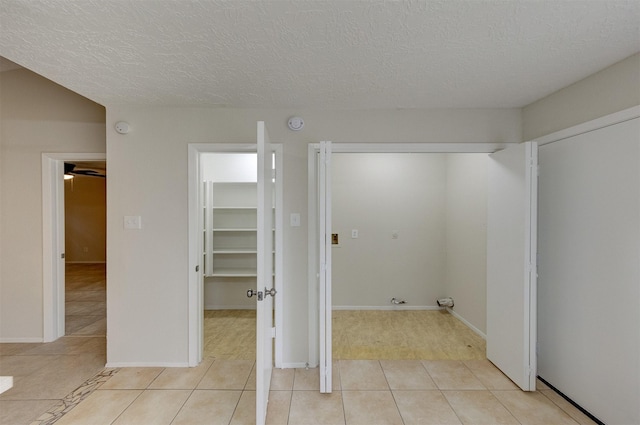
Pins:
<point x="146" y="364"/>
<point x="294" y="365"/>
<point x="469" y="325"/>
<point x="387" y="307"/>
<point x="229" y="307"/>
<point x="20" y="340"/>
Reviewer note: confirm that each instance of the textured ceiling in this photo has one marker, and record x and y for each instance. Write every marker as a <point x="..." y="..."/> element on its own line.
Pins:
<point x="318" y="54"/>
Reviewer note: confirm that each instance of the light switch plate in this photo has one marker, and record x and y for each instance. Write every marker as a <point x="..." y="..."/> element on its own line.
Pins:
<point x="132" y="222"/>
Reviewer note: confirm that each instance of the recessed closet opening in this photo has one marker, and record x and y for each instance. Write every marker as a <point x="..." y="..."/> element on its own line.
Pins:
<point x="229" y="202"/>
<point x="409" y="229"/>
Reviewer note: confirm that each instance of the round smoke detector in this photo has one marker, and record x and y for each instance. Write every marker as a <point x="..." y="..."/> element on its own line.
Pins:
<point x="296" y="123"/>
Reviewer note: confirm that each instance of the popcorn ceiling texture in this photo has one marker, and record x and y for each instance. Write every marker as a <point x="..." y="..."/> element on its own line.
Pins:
<point x="318" y="54"/>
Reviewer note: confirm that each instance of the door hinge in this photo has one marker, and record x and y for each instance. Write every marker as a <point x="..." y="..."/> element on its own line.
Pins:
<point x="273" y="332"/>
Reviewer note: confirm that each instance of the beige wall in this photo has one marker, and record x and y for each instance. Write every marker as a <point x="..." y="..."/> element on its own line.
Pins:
<point x="36" y="116"/>
<point x="85" y="205"/>
<point x="466" y="224"/>
<point x="148" y="268"/>
<point x="611" y="90"/>
<point x="379" y="194"/>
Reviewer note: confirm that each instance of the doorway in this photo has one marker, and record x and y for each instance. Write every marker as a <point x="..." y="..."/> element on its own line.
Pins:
<point x="229" y="187"/>
<point x="85" y="248"/>
<point x="53" y="233"/>
<point x="511" y="235"/>
<point x="407" y="223"/>
<point x="222" y="197"/>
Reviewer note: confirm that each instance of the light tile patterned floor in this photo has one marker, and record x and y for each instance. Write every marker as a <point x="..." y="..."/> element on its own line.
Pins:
<point x="403" y="392"/>
<point x="66" y="378"/>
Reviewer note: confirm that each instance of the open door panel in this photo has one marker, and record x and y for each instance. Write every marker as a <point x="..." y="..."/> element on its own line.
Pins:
<point x="511" y="262"/>
<point x="264" y="282"/>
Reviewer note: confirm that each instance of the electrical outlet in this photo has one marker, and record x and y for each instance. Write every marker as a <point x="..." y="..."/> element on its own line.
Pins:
<point x="132" y="222"/>
<point x="354" y="233"/>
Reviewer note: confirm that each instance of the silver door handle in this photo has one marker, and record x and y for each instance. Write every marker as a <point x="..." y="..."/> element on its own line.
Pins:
<point x="251" y="293"/>
<point x="271" y="292"/>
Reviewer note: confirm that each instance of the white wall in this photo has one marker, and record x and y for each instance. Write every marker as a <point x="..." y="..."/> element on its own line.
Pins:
<point x="611" y="90"/>
<point x="466" y="243"/>
<point x="148" y="268"/>
<point x="589" y="270"/>
<point x="37" y="116"/>
<point x="379" y="194"/>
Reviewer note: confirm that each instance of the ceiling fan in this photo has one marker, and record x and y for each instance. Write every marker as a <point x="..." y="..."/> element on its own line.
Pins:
<point x="70" y="170"/>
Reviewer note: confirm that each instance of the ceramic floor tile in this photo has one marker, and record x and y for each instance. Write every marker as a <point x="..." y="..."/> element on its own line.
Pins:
<point x="99" y="327"/>
<point x="313" y="408"/>
<point x="370" y="407"/>
<point x="16" y="348"/>
<point x="335" y="376"/>
<point x="227" y="375"/>
<point x="362" y="375"/>
<point x="425" y="408"/>
<point x="64" y="345"/>
<point x="452" y="375"/>
<point x="541" y="385"/>
<point x="131" y="378"/>
<point x="23" y="411"/>
<point x="245" y="413"/>
<point x="479" y="408"/>
<point x="490" y="376"/>
<point x="533" y="408"/>
<point x="208" y="407"/>
<point x="93" y="345"/>
<point x="306" y="379"/>
<point x="278" y="408"/>
<point x="101" y="407"/>
<point x="181" y="378"/>
<point x="407" y="375"/>
<point x="567" y="407"/>
<point x="62" y="375"/>
<point x="23" y="365"/>
<point x="157" y="407"/>
<point x="282" y="379"/>
<point x="251" y="382"/>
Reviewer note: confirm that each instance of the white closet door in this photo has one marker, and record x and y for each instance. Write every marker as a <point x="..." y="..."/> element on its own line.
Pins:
<point x="264" y="322"/>
<point x="324" y="239"/>
<point x="511" y="262"/>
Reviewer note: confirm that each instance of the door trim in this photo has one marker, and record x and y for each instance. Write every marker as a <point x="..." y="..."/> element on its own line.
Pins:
<point x="196" y="290"/>
<point x="53" y="239"/>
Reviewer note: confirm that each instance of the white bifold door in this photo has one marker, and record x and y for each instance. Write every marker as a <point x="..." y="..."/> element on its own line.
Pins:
<point x="511" y="262"/>
<point x="324" y="265"/>
<point x="265" y="286"/>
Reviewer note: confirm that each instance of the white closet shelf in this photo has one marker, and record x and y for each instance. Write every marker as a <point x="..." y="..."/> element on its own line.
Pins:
<point x="234" y="273"/>
<point x="235" y="251"/>
<point x="234" y="229"/>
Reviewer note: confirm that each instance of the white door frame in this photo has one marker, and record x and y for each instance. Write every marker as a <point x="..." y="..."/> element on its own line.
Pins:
<point x="313" y="151"/>
<point x="196" y="290"/>
<point x="53" y="239"/>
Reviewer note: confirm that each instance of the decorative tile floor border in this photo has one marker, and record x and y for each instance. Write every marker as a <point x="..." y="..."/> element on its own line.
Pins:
<point x="74" y="398"/>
